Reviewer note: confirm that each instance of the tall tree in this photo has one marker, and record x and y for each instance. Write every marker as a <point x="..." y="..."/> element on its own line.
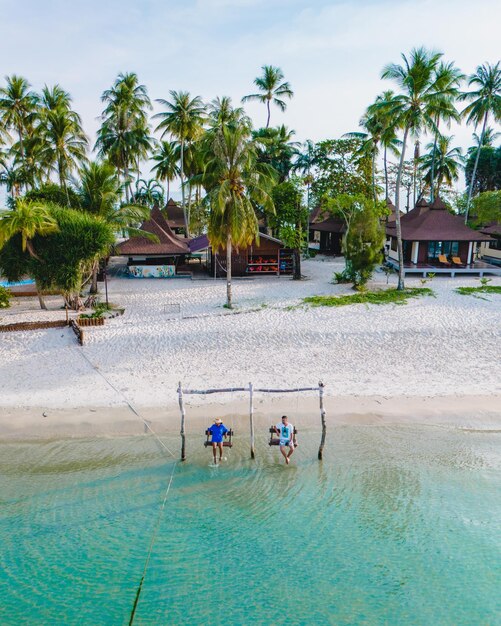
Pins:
<point x="441" y="164"/>
<point x="17" y="107"/>
<point x="276" y="147"/>
<point x="273" y="90"/>
<point x="183" y="120"/>
<point x="166" y="166"/>
<point x="123" y="137"/>
<point x="221" y="112"/>
<point x="234" y="181"/>
<point x="412" y="110"/>
<point x="485" y="101"/>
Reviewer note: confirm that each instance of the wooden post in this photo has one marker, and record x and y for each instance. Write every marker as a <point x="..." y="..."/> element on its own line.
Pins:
<point x="183" y="415"/>
<point x="251" y="417"/>
<point x="322" y="418"/>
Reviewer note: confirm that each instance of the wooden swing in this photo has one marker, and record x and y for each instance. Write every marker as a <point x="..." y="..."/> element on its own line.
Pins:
<point x="275" y="441"/>
<point x="226" y="444"/>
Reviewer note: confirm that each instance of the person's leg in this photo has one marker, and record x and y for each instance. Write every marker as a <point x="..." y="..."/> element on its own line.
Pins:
<point x="284" y="453"/>
<point x="214" y="452"/>
<point x="220" y="446"/>
<point x="291" y="451"/>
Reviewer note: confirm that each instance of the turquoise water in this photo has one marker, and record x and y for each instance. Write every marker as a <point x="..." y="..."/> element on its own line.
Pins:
<point x="397" y="525"/>
<point x="5" y="283"/>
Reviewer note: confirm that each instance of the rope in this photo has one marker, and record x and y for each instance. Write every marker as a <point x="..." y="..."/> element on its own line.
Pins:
<point x="129" y="404"/>
<point x="150" y="548"/>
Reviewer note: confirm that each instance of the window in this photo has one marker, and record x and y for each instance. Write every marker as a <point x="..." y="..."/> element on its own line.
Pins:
<point x="436" y="248"/>
<point x="394" y="243"/>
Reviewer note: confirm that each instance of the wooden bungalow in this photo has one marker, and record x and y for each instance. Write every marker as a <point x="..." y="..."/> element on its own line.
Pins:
<point x="490" y="251"/>
<point x="268" y="257"/>
<point x="435" y="240"/>
<point x="154" y="259"/>
<point x="326" y="232"/>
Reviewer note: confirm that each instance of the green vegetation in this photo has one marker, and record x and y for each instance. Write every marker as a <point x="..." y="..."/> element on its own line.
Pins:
<point x="471" y="291"/>
<point x="4" y="298"/>
<point x="388" y="296"/>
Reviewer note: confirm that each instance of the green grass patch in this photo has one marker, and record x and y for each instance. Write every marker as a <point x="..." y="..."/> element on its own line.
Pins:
<point x="388" y="296"/>
<point x="470" y="291"/>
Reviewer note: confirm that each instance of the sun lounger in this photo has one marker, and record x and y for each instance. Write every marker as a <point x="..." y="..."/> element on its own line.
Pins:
<point x="443" y="260"/>
<point x="457" y="261"/>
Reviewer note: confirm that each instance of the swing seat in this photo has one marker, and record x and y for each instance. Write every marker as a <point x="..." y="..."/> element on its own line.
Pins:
<point x="226" y="444"/>
<point x="275" y="441"/>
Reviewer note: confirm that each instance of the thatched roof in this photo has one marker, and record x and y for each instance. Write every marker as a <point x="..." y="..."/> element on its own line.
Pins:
<point x="168" y="243"/>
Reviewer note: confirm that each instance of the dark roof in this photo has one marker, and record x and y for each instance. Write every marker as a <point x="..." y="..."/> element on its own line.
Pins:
<point x="492" y="229"/>
<point x="393" y="211"/>
<point x="168" y="243"/>
<point x="330" y="225"/>
<point x="174" y="214"/>
<point x="198" y="243"/>
<point x="435" y="223"/>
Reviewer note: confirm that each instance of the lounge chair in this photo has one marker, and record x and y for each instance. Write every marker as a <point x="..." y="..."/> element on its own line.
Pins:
<point x="457" y="261"/>
<point x="443" y="260"/>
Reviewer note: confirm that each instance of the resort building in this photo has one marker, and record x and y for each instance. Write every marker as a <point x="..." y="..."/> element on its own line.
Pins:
<point x="436" y="240"/>
<point x="174" y="216"/>
<point x="326" y="232"/>
<point x="147" y="258"/>
<point x="490" y="251"/>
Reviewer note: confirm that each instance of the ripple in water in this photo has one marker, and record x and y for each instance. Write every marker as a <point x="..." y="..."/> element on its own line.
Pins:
<point x="394" y="520"/>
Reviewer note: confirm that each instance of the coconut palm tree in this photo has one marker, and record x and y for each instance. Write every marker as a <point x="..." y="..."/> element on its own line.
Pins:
<point x="100" y="193"/>
<point x="183" y="120"/>
<point x="234" y="180"/>
<point x="485" y="101"/>
<point x="17" y="106"/>
<point x="167" y="163"/>
<point x="65" y="142"/>
<point x="27" y="219"/>
<point x="441" y="164"/>
<point x="412" y="110"/>
<point x="123" y="137"/>
<point x="276" y="147"/>
<point x="222" y="113"/>
<point x="273" y="90"/>
<point x="148" y="193"/>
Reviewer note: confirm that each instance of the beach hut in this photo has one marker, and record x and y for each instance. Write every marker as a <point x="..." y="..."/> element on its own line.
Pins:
<point x="266" y="257"/>
<point x="326" y="232"/>
<point x="154" y="259"/>
<point x="490" y="251"/>
<point x="435" y="240"/>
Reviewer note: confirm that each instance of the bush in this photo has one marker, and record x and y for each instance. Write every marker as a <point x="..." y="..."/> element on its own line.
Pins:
<point x="4" y="298"/>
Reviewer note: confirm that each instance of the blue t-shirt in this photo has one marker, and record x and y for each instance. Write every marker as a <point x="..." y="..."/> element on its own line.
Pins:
<point x="217" y="431"/>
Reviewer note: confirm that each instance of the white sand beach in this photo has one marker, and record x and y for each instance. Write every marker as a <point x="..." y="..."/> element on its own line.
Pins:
<point x="442" y="351"/>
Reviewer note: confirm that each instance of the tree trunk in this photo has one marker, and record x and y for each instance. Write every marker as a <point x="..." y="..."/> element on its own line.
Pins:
<point x="474" y="173"/>
<point x="186" y="224"/>
<point x="432" y="185"/>
<point x="229" y="303"/>
<point x="93" y="284"/>
<point x="374" y="174"/>
<point x="127" y="187"/>
<point x="386" y="174"/>
<point x="168" y="191"/>
<point x="297" y="264"/>
<point x="269" y="112"/>
<point x="400" y="251"/>
<point x="40" y="297"/>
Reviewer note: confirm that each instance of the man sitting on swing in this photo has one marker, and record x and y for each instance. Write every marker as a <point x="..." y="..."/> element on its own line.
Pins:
<point x="218" y="430"/>
<point x="286" y="433"/>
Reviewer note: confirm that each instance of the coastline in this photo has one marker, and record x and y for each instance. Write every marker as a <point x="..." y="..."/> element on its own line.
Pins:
<point x="475" y="412"/>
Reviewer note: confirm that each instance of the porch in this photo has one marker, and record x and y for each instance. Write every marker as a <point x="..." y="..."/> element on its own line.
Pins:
<point x="477" y="267"/>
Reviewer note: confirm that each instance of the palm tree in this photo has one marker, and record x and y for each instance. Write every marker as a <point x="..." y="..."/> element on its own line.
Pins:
<point x="276" y="147"/>
<point x="100" y="193"/>
<point x="272" y="88"/>
<point x="17" y="106"/>
<point x="441" y="164"/>
<point x="148" y="193"/>
<point x="222" y="113"/>
<point x="412" y="110"/>
<point x="485" y="101"/>
<point x="27" y="219"/>
<point x="234" y="181"/>
<point x="448" y="78"/>
<point x="123" y="137"/>
<point x="490" y="136"/>
<point x="65" y="142"/>
<point x="167" y="163"/>
<point x="183" y="121"/>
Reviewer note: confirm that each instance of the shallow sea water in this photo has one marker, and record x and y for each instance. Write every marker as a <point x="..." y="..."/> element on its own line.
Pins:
<point x="398" y="525"/>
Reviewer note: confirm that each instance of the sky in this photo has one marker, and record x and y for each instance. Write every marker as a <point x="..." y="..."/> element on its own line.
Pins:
<point x="331" y="52"/>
